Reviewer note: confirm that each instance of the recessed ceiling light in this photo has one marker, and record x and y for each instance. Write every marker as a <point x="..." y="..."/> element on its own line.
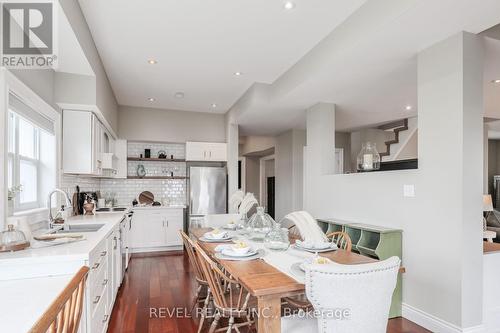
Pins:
<point x="496" y="81"/>
<point x="214" y="105"/>
<point x="408" y="107"/>
<point x="152" y="62"/>
<point x="179" y="94"/>
<point x="238" y="73"/>
<point x="289" y="5"/>
<point x="151" y="99"/>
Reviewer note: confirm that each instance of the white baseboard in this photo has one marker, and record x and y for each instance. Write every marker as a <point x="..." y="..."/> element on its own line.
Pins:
<point x="435" y="324"/>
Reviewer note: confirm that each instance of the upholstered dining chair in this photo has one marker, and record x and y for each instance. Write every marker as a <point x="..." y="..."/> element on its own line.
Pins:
<point x="65" y="312"/>
<point x="347" y="298"/>
<point x="341" y="239"/>
<point x="203" y="294"/>
<point x="231" y="300"/>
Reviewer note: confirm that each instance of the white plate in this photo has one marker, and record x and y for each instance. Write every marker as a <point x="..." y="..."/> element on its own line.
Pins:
<point x="211" y="240"/>
<point x="230" y="227"/>
<point x="313" y="250"/>
<point x="209" y="235"/>
<point x="260" y="253"/>
<point x="324" y="246"/>
<point x="230" y="253"/>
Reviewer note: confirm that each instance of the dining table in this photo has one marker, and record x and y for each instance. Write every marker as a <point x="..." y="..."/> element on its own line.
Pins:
<point x="267" y="283"/>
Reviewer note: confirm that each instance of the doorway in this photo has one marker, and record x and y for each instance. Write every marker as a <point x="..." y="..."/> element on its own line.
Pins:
<point x="267" y="184"/>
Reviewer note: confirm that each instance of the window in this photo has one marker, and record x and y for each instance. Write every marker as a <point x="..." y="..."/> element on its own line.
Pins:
<point x="31" y="160"/>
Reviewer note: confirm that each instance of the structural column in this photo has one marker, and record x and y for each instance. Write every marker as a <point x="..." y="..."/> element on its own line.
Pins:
<point x="450" y="105"/>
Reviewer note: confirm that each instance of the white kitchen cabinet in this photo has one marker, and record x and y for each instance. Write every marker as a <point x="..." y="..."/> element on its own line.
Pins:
<point x="88" y="147"/>
<point x="121" y="158"/>
<point x="156" y="229"/>
<point x="206" y="151"/>
<point x="80" y="141"/>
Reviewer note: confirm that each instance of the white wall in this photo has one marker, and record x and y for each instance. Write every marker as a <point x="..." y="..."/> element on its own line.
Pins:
<point x="252" y="144"/>
<point x="105" y="98"/>
<point x="442" y="244"/>
<point x="289" y="172"/>
<point x="169" y="126"/>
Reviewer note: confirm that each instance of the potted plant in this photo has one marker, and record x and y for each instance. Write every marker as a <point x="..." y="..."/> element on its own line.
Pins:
<point x="11" y="195"/>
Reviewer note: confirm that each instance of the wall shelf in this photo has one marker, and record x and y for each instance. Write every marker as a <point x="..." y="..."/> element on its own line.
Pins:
<point x="157" y="177"/>
<point x="154" y="159"/>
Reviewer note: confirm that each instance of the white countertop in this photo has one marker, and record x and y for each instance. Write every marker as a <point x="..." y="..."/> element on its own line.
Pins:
<point x="156" y="207"/>
<point x="25" y="300"/>
<point x="72" y="251"/>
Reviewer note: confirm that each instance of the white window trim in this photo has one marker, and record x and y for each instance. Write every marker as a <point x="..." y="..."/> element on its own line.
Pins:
<point x="10" y="83"/>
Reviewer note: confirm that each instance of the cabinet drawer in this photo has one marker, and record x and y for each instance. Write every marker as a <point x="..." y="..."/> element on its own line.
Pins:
<point x="98" y="286"/>
<point x="97" y="262"/>
<point x="99" y="317"/>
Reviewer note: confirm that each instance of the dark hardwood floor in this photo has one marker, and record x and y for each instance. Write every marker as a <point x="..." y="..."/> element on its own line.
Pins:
<point x="162" y="282"/>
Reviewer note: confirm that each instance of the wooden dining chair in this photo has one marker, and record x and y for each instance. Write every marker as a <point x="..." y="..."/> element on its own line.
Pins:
<point x="341" y="239"/>
<point x="231" y="300"/>
<point x="203" y="294"/>
<point x="294" y="233"/>
<point x="63" y="315"/>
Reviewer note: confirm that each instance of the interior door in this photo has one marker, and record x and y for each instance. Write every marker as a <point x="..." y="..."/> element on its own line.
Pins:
<point x="270" y="196"/>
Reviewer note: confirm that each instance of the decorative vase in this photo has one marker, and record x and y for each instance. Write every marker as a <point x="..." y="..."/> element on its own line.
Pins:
<point x="368" y="158"/>
<point x="259" y="225"/>
<point x="277" y="239"/>
<point x="10" y="207"/>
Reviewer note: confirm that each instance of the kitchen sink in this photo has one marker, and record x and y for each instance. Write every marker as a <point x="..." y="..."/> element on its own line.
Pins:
<point x="78" y="228"/>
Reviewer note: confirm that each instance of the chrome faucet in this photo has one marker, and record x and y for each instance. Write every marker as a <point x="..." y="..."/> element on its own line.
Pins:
<point x="49" y="204"/>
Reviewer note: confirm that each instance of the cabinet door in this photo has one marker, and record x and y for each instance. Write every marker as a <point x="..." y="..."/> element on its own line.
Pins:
<point x="96" y="145"/>
<point x="148" y="230"/>
<point x="175" y="222"/>
<point x="217" y="152"/>
<point x="196" y="151"/>
<point x="77" y="142"/>
<point x="121" y="155"/>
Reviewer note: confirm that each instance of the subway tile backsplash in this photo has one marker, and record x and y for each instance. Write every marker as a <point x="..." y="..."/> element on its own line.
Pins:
<point x="126" y="190"/>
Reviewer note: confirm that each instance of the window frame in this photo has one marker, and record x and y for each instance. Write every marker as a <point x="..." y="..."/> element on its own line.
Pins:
<point x="16" y="159"/>
<point x="10" y="83"/>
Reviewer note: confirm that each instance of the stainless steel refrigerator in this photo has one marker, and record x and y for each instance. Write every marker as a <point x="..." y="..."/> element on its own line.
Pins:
<point x="207" y="192"/>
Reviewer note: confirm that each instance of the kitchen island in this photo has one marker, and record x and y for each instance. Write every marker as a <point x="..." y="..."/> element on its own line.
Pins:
<point x="37" y="275"/>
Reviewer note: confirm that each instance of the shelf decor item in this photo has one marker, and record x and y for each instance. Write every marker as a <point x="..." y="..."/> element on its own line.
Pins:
<point x="147" y="153"/>
<point x="141" y="171"/>
<point x="368" y="158"/>
<point x="162" y="154"/>
<point x="259" y="225"/>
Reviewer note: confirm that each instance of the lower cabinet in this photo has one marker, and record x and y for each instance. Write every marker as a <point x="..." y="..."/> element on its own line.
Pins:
<point x="156" y="229"/>
<point x="101" y="283"/>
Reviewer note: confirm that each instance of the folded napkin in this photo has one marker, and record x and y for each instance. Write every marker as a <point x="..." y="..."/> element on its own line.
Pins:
<point x="308" y="227"/>
<point x="315" y="245"/>
<point x="221" y="247"/>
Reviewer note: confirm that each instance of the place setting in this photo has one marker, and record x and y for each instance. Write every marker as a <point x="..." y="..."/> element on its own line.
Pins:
<point x="239" y="251"/>
<point x="216" y="236"/>
<point x="314" y="246"/>
<point x="299" y="268"/>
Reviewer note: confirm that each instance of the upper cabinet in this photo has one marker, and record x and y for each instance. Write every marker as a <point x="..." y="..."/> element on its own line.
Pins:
<point x="88" y="147"/>
<point x="206" y="151"/>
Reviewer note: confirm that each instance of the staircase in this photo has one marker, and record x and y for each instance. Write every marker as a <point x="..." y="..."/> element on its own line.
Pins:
<point x="403" y="131"/>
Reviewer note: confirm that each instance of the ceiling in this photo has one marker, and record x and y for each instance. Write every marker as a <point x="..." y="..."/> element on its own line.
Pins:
<point x="367" y="66"/>
<point x="200" y="44"/>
